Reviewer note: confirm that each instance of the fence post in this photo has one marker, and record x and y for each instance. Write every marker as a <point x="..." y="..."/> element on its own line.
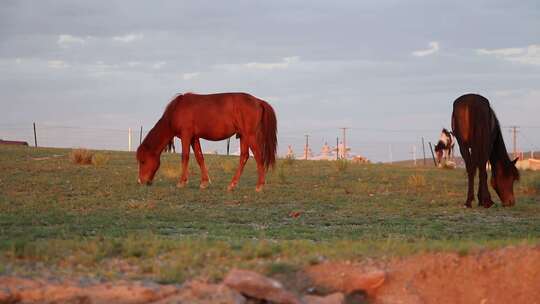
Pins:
<point x="424" y="150"/>
<point x="140" y="136"/>
<point x="228" y="145"/>
<point x="432" y="155"/>
<point x="129" y="139"/>
<point x="35" y="135"/>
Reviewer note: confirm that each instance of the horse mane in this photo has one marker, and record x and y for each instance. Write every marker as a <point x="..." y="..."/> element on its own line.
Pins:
<point x="153" y="138"/>
<point x="499" y="152"/>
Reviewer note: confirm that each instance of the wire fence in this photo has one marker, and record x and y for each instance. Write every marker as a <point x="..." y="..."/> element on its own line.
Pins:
<point x="376" y="144"/>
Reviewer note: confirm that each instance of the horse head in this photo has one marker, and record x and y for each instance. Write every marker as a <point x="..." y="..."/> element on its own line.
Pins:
<point x="148" y="164"/>
<point x="502" y="180"/>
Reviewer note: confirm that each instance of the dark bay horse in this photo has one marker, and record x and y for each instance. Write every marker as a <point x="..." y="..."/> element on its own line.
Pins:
<point x="212" y="117"/>
<point x="478" y="133"/>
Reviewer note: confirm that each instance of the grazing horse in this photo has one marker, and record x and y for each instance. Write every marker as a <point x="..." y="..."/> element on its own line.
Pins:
<point x="478" y="133"/>
<point x="212" y="117"/>
<point x="445" y="146"/>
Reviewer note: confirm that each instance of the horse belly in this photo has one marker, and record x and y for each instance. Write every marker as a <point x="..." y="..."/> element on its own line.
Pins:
<point x="216" y="131"/>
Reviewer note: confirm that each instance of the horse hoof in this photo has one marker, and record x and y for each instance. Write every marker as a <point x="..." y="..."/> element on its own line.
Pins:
<point x="488" y="204"/>
<point x="230" y="188"/>
<point x="467" y="205"/>
<point x="203" y="185"/>
<point x="258" y="188"/>
<point x="181" y="185"/>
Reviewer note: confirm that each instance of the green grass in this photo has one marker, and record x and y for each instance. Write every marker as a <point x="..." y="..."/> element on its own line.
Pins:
<point x="71" y="219"/>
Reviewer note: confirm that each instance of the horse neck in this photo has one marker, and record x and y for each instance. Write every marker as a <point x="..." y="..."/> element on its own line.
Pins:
<point x="499" y="154"/>
<point x="159" y="136"/>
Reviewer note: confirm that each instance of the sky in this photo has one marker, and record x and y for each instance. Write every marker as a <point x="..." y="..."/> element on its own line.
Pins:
<point x="86" y="71"/>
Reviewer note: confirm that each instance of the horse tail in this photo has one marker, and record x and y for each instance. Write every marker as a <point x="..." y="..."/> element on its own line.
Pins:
<point x="266" y="135"/>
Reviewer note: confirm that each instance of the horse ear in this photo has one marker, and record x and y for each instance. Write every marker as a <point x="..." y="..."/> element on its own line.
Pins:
<point x="515" y="160"/>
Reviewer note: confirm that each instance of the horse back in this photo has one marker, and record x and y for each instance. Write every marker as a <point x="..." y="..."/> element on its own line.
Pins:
<point x="216" y="116"/>
<point x="473" y="120"/>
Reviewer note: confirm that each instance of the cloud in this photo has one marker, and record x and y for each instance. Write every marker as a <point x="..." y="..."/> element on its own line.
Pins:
<point x="128" y="38"/>
<point x="57" y="64"/>
<point x="433" y="48"/>
<point x="158" y="65"/>
<point x="283" y="64"/>
<point x="188" y="76"/>
<point x="525" y="55"/>
<point x="68" y="40"/>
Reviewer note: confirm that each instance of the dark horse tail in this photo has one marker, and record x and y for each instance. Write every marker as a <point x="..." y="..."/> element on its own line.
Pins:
<point x="266" y="135"/>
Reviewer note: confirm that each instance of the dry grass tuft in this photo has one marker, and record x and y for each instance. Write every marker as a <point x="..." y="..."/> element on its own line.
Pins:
<point x="416" y="180"/>
<point x="81" y="156"/>
<point x="171" y="172"/>
<point x="100" y="159"/>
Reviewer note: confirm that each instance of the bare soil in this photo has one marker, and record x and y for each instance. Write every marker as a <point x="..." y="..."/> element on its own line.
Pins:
<point x="508" y="275"/>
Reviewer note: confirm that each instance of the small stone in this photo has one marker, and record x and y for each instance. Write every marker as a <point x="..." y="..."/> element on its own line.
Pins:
<point x="257" y="286"/>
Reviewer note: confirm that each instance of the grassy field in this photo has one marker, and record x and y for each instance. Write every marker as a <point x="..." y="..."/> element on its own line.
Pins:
<point x="60" y="218"/>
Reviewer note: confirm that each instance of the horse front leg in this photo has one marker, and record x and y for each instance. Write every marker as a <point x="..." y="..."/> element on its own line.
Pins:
<point x="484" y="198"/>
<point x="196" y="145"/>
<point x="185" y="161"/>
<point x="244" y="156"/>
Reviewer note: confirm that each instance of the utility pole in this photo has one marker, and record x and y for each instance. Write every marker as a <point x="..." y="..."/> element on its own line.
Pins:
<point x="514" y="131"/>
<point x="337" y="148"/>
<point x="344" y="143"/>
<point x="306" y="148"/>
<point x="413" y="152"/>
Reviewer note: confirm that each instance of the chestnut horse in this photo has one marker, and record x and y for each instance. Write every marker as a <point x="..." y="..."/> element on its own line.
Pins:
<point x="212" y="117"/>
<point x="478" y="133"/>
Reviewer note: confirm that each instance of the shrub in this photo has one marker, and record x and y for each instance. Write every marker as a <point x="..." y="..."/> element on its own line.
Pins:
<point x="81" y="156"/>
<point x="100" y="159"/>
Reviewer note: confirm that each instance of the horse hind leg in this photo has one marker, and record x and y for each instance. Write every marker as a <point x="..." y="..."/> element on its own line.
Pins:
<point x="257" y="153"/>
<point x="185" y="161"/>
<point x="471" y="171"/>
<point x="244" y="156"/>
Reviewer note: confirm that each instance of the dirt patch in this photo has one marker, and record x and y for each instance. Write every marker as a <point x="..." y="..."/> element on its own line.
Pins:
<point x="509" y="275"/>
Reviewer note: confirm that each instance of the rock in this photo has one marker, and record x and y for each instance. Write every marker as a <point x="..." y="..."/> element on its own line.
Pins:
<point x="203" y="293"/>
<point x="335" y="298"/>
<point x="345" y="277"/>
<point x="257" y="286"/>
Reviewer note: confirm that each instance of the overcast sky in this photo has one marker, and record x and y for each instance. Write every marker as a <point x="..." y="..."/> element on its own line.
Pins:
<point x="375" y="66"/>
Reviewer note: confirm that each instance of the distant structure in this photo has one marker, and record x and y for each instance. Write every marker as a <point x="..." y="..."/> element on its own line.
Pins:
<point x="13" y="142"/>
<point x="342" y="150"/>
<point x="290" y="153"/>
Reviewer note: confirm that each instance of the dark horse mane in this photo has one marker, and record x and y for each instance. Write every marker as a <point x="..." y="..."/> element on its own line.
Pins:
<point x="499" y="152"/>
<point x="151" y="140"/>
